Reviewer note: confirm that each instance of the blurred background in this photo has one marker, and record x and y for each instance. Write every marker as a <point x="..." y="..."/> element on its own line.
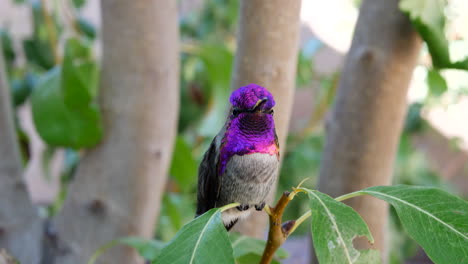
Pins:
<point x="433" y="148"/>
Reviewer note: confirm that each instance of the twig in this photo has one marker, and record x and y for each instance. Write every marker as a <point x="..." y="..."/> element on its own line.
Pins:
<point x="278" y="231"/>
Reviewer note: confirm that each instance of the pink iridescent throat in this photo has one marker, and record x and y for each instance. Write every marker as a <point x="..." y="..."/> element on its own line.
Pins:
<point x="246" y="134"/>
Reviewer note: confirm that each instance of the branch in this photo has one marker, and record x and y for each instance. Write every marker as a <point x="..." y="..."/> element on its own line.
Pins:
<point x="279" y="231"/>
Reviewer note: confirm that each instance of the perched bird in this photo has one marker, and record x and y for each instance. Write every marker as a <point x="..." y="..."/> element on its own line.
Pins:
<point x="242" y="162"/>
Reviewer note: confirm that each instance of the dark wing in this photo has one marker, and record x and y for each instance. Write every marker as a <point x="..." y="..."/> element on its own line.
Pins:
<point x="208" y="180"/>
<point x="277" y="144"/>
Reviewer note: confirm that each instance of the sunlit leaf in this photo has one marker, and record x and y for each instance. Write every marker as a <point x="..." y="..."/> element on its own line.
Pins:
<point x="204" y="240"/>
<point x="428" y="18"/>
<point x="334" y="226"/>
<point x="436" y="82"/>
<point x="437" y="220"/>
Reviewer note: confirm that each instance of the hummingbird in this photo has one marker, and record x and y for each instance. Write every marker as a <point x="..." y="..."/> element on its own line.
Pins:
<point x="241" y="164"/>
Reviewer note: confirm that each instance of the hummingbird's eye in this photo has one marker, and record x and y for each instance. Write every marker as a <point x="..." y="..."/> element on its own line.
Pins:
<point x="235" y="111"/>
<point x="271" y="112"/>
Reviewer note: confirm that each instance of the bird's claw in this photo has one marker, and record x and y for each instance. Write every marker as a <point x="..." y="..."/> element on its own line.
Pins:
<point x="243" y="207"/>
<point x="259" y="207"/>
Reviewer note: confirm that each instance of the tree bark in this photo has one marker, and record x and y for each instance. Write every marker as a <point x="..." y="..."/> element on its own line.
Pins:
<point x="119" y="183"/>
<point x="267" y="46"/>
<point x="20" y="226"/>
<point x="364" y="126"/>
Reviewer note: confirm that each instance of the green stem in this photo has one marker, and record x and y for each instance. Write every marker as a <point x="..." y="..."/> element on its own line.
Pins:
<point x="300" y="220"/>
<point x="228" y="206"/>
<point x="101" y="250"/>
<point x="349" y="195"/>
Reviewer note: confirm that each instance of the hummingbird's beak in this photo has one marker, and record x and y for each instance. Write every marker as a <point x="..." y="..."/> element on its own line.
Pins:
<point x="260" y="103"/>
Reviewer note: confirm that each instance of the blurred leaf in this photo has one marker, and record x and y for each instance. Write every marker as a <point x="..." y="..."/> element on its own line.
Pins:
<point x="86" y="27"/>
<point x="39" y="53"/>
<point x="462" y="65"/>
<point x="79" y="74"/>
<point x="56" y="123"/>
<point x="252" y="259"/>
<point x="436" y="82"/>
<point x="203" y="240"/>
<point x="428" y="18"/>
<point x="334" y="226"/>
<point x="244" y="245"/>
<point x="414" y="122"/>
<point x="38" y="48"/>
<point x="22" y="88"/>
<point x="79" y="3"/>
<point x="437" y="220"/>
<point x="218" y="61"/>
<point x="176" y="210"/>
<point x="183" y="166"/>
<point x="148" y="249"/>
<point x="304" y="70"/>
<point x="7" y="45"/>
<point x="24" y="144"/>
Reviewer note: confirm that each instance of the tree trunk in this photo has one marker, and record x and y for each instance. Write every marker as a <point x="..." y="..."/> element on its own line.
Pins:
<point x="20" y="226"/>
<point x="364" y="126"/>
<point x="267" y="46"/>
<point x="118" y="186"/>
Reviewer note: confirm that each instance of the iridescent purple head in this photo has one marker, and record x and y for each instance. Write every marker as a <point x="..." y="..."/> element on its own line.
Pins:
<point x="252" y="97"/>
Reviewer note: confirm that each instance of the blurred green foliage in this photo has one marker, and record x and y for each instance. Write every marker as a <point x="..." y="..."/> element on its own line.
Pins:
<point x="63" y="88"/>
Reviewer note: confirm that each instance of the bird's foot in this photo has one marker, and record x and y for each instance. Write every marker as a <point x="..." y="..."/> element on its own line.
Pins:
<point x="243" y="207"/>
<point x="260" y="207"/>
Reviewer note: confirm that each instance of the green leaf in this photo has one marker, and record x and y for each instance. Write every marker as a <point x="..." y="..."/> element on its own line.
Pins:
<point x="59" y="125"/>
<point x="461" y="65"/>
<point x="86" y="27"/>
<point x="218" y="61"/>
<point x="437" y="220"/>
<point x="22" y="88"/>
<point x="39" y="53"/>
<point x="148" y="249"/>
<point x="79" y="3"/>
<point x="428" y="18"/>
<point x="334" y="226"/>
<point x="183" y="166"/>
<point x="436" y="82"/>
<point x="79" y="74"/>
<point x="177" y="209"/>
<point x="252" y="259"/>
<point x="7" y="46"/>
<point x="203" y="240"/>
<point x="244" y="245"/>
